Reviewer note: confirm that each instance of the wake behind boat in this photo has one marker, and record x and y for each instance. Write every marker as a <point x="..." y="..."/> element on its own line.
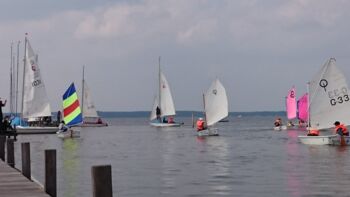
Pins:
<point x="163" y="110"/>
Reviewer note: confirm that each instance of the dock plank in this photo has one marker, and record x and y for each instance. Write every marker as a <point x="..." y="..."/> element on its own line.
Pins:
<point x="13" y="183"/>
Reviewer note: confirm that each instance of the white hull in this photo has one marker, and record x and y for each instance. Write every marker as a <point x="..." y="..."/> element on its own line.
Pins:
<point x="316" y="140"/>
<point x="92" y="125"/>
<point x="29" y="129"/>
<point x="68" y="134"/>
<point x="158" y="124"/>
<point x="208" y="132"/>
<point x="280" y="128"/>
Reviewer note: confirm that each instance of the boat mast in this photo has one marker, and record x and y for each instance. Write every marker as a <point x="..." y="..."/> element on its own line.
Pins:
<point x="17" y="69"/>
<point x="83" y="92"/>
<point x="205" y="113"/>
<point x="308" y="105"/>
<point x="11" y="81"/>
<point x="159" y="89"/>
<point x="24" y="69"/>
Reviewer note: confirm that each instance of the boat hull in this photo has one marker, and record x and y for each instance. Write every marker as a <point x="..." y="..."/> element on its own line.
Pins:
<point x="36" y="130"/>
<point x="316" y="140"/>
<point x="158" y="124"/>
<point x="208" y="132"/>
<point x="335" y="140"/>
<point x="68" y="134"/>
<point x="92" y="125"/>
<point x="280" y="128"/>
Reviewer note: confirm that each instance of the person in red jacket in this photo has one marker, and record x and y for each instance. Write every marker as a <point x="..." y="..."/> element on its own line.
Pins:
<point x="200" y="124"/>
<point x="341" y="129"/>
<point x="313" y="132"/>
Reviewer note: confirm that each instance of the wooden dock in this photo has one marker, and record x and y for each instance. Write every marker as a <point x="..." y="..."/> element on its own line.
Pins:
<point x="13" y="183"/>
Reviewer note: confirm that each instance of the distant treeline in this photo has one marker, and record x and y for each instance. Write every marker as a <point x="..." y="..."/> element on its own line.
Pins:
<point x="136" y="114"/>
<point x="187" y="114"/>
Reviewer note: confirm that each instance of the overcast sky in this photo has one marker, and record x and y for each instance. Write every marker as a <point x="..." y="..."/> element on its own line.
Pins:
<point x="258" y="49"/>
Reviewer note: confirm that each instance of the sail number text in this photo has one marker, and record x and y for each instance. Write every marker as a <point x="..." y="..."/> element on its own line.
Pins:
<point x="338" y="96"/>
<point x="36" y="82"/>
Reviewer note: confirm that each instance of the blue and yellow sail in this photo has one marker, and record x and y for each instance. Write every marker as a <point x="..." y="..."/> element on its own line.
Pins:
<point x="71" y="108"/>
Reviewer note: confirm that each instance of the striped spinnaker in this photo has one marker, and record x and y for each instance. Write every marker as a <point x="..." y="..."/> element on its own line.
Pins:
<point x="71" y="108"/>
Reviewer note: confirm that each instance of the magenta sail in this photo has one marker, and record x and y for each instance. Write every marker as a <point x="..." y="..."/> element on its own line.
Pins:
<point x="291" y="104"/>
<point x="303" y="108"/>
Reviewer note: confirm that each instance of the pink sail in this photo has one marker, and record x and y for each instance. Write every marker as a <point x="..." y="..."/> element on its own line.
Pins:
<point x="303" y="111"/>
<point x="291" y="104"/>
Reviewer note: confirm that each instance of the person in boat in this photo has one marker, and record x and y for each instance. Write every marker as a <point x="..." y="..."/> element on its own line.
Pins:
<point x="62" y="127"/>
<point x="158" y="114"/>
<point x="341" y="129"/>
<point x="301" y="123"/>
<point x="58" y="117"/>
<point x="171" y="119"/>
<point x="2" y="104"/>
<point x="278" y="122"/>
<point x="165" y="120"/>
<point x="200" y="124"/>
<point x="313" y="132"/>
<point x="290" y="124"/>
<point x="99" y="120"/>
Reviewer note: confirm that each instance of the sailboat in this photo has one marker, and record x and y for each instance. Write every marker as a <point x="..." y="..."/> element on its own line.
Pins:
<point x="291" y="109"/>
<point x="164" y="104"/>
<point x="90" y="116"/>
<point x="36" y="110"/>
<point x="72" y="115"/>
<point x="329" y="102"/>
<point x="215" y="108"/>
<point x="303" y="113"/>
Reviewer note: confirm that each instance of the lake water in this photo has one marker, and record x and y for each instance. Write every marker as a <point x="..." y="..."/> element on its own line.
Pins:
<point x="249" y="158"/>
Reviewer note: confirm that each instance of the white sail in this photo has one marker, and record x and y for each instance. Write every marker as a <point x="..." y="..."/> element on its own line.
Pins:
<point x="329" y="98"/>
<point x="89" y="110"/>
<point x="166" y="103"/>
<point x="215" y="103"/>
<point x="35" y="100"/>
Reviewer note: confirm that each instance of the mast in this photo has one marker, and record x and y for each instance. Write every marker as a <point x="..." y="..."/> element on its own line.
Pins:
<point x="159" y="88"/>
<point x="17" y="69"/>
<point x="24" y="68"/>
<point x="83" y="92"/>
<point x="308" y="105"/>
<point x="11" y="80"/>
<point x="205" y="113"/>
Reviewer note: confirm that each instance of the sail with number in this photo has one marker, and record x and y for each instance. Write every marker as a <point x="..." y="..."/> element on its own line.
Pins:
<point x="215" y="103"/>
<point x="164" y="100"/>
<point x="329" y="98"/>
<point x="35" y="101"/>
<point x="303" y="107"/>
<point x="291" y="104"/>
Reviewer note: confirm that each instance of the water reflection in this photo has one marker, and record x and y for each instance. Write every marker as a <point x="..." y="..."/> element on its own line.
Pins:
<point x="70" y="168"/>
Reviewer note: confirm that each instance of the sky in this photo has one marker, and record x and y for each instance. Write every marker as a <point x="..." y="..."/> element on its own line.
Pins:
<point x="258" y="49"/>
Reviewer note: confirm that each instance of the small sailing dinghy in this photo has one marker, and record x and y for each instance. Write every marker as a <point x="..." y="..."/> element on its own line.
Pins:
<point x="36" y="110"/>
<point x="90" y="116"/>
<point x="303" y="113"/>
<point x="215" y="108"/>
<point x="163" y="110"/>
<point x="71" y="113"/>
<point x="329" y="102"/>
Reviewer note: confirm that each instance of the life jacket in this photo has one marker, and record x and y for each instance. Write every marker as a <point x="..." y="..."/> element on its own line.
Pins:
<point x="314" y="132"/>
<point x="170" y="120"/>
<point x="200" y="125"/>
<point x="343" y="128"/>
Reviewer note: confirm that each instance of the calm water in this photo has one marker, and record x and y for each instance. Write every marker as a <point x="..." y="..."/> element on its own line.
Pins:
<point x="247" y="159"/>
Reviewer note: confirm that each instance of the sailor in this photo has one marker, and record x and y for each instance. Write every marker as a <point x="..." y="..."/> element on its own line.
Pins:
<point x="158" y="114"/>
<point x="200" y="124"/>
<point x="278" y="122"/>
<point x="341" y="129"/>
<point x="313" y="132"/>
<point x="62" y="127"/>
<point x="171" y="119"/>
<point x="290" y="124"/>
